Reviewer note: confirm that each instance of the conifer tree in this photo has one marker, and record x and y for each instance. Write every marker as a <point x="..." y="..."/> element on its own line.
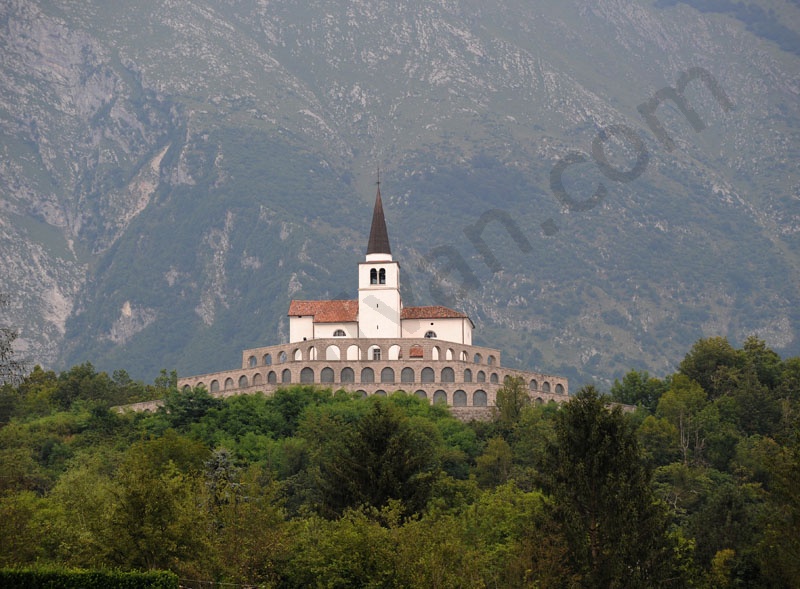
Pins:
<point x="616" y="529"/>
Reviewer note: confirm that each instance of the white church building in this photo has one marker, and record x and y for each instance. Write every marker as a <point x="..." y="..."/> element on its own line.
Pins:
<point x="374" y="345"/>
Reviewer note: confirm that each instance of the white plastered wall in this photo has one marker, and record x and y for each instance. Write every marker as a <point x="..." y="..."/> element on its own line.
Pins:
<point x="457" y="330"/>
<point x="301" y="328"/>
<point x="323" y="330"/>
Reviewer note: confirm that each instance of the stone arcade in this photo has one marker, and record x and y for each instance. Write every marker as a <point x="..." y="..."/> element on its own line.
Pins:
<point x="374" y="346"/>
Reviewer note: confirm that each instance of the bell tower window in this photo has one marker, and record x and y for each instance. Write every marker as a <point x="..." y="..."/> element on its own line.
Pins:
<point x="373" y="276"/>
<point x="430" y="334"/>
<point x="382" y="276"/>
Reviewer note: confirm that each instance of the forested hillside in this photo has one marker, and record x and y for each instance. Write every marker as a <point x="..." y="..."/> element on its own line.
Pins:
<point x="698" y="487"/>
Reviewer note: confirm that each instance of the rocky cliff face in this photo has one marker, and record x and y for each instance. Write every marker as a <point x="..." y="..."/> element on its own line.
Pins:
<point x="173" y="172"/>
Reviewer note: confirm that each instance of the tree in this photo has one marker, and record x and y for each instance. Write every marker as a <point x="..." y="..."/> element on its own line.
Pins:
<point x="765" y="362"/>
<point x="751" y="405"/>
<point x="493" y="467"/>
<point x="384" y="456"/>
<point x="12" y="369"/>
<point x="710" y="362"/>
<point x="639" y="388"/>
<point x="155" y="522"/>
<point x="682" y="406"/>
<point x="511" y="399"/>
<point x="789" y="386"/>
<point x="181" y="409"/>
<point x="20" y="536"/>
<point x="249" y="534"/>
<point x="82" y="382"/>
<point x="780" y="545"/>
<point x="616" y="529"/>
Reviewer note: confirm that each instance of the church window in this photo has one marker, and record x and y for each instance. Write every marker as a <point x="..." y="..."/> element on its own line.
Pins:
<point x="326" y="375"/>
<point x="430" y="334"/>
<point x="468" y="375"/>
<point x="339" y="333"/>
<point x="267" y="359"/>
<point x="493" y="378"/>
<point x="427" y="375"/>
<point x="422" y="394"/>
<point x="251" y="361"/>
<point x="272" y="378"/>
<point x="257" y="379"/>
<point x="407" y="375"/>
<point x="460" y="399"/>
<point x="282" y="357"/>
<point x="382" y="276"/>
<point x="477" y="359"/>
<point x="387" y="375"/>
<point x="545" y="387"/>
<point x="534" y="385"/>
<point x="286" y="376"/>
<point x="214" y="386"/>
<point x="440" y="398"/>
<point x="448" y="375"/>
<point x="479" y="399"/>
<point x="307" y="375"/>
<point x="380" y="393"/>
<point x="559" y="389"/>
<point x="228" y="383"/>
<point x="242" y="382"/>
<point x="481" y="376"/>
<point x="373" y="276"/>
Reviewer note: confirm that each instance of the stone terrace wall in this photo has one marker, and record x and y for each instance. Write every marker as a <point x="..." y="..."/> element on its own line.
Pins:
<point x="456" y="374"/>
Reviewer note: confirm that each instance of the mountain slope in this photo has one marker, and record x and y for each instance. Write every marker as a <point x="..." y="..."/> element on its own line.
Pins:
<point x="174" y="173"/>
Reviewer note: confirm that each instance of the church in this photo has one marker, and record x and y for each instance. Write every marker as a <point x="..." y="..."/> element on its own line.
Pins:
<point x="373" y="345"/>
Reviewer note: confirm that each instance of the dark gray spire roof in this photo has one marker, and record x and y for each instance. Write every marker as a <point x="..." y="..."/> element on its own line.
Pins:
<point x="378" y="236"/>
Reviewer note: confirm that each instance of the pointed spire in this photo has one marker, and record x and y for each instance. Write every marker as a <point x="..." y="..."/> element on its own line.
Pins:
<point x="378" y="236"/>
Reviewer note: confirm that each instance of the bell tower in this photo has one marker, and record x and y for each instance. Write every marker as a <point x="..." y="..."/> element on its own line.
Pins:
<point x="379" y="282"/>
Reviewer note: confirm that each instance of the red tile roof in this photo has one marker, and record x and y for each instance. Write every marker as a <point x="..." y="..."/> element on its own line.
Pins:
<point x="347" y="311"/>
<point x="431" y="312"/>
<point x="326" y="311"/>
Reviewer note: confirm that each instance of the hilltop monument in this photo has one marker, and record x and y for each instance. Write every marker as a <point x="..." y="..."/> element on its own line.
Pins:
<point x="374" y="345"/>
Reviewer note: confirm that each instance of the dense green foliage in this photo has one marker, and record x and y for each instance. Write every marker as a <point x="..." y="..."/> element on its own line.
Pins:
<point x="66" y="579"/>
<point x="699" y="486"/>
